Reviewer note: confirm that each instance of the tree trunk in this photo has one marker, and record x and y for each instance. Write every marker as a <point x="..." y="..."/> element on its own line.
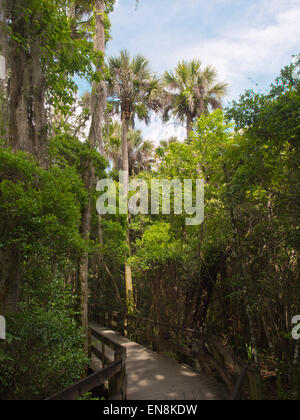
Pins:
<point x="98" y="97"/>
<point x="40" y="130"/>
<point x="84" y="299"/>
<point x="189" y="125"/>
<point x="27" y="125"/>
<point x="99" y="91"/>
<point x="125" y="159"/>
<point x="98" y="104"/>
<point x="84" y="265"/>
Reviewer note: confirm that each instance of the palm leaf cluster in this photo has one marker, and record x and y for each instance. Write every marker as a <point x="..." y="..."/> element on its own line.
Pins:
<point x="133" y="89"/>
<point x="140" y="151"/>
<point x="191" y="92"/>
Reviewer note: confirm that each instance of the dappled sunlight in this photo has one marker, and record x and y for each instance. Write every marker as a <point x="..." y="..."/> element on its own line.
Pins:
<point x="155" y="377"/>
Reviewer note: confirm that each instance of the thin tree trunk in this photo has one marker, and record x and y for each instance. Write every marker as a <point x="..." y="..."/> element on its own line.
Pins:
<point x="98" y="97"/>
<point x="125" y="159"/>
<point x="40" y="131"/>
<point x="189" y="125"/>
<point x="84" y="267"/>
<point x="246" y="279"/>
<point x="98" y="104"/>
<point x="115" y="285"/>
<point x="99" y="91"/>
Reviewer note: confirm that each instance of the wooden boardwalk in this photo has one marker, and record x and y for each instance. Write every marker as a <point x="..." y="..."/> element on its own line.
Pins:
<point x="155" y="377"/>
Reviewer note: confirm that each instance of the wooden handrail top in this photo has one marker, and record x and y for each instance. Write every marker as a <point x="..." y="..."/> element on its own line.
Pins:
<point x="187" y="331"/>
<point x="118" y="348"/>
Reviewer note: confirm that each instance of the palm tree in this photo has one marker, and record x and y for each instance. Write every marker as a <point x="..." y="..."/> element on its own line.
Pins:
<point x="134" y="92"/>
<point x="112" y="136"/>
<point x="140" y="151"/>
<point x="192" y="91"/>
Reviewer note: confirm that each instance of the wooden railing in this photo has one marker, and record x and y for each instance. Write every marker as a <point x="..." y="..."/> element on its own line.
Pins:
<point x="113" y="371"/>
<point x="205" y="352"/>
<point x="118" y="382"/>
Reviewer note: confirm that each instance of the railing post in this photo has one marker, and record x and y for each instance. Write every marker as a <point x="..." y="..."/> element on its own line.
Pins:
<point x="123" y="376"/>
<point x="103" y="355"/>
<point x="118" y="384"/>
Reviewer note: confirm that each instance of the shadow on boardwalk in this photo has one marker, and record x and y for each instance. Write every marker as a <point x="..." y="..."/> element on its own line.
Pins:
<point x="155" y="377"/>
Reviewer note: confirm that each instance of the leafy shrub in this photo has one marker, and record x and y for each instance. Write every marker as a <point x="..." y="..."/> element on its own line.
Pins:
<point x="40" y="218"/>
<point x="44" y="356"/>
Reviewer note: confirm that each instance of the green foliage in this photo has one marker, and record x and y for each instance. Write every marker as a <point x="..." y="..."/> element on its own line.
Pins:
<point x="240" y="268"/>
<point x="47" y="355"/>
<point x="157" y="246"/>
<point x="40" y="209"/>
<point x="40" y="220"/>
<point x="44" y="27"/>
<point x="89" y="397"/>
<point x="140" y="151"/>
<point x="235" y="275"/>
<point x="67" y="151"/>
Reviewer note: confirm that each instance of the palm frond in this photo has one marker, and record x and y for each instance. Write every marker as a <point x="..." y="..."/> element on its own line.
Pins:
<point x="190" y="90"/>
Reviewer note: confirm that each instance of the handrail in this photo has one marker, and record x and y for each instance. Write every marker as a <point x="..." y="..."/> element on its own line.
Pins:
<point x="118" y="383"/>
<point x="113" y="372"/>
<point x="85" y="385"/>
<point x="213" y="355"/>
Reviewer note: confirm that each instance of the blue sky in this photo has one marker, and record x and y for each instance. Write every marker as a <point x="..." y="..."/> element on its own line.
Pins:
<point x="248" y="41"/>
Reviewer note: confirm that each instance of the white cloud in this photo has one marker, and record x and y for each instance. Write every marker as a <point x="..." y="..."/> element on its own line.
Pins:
<point x="240" y="53"/>
<point x="158" y="131"/>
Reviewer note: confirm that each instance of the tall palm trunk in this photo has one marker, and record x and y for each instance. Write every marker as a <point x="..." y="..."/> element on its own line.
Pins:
<point x="125" y="160"/>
